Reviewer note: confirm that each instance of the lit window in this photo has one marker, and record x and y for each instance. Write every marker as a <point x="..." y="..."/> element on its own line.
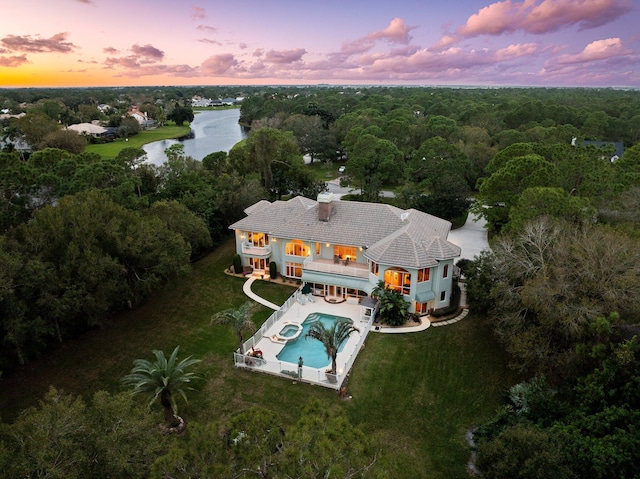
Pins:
<point x="398" y="279"/>
<point x="257" y="239"/>
<point x="422" y="308"/>
<point x="374" y="268"/>
<point x="423" y="275"/>
<point x="293" y="270"/>
<point x="344" y="252"/>
<point x="297" y="248"/>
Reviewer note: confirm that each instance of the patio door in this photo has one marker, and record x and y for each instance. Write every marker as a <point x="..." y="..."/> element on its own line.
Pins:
<point x="335" y="291"/>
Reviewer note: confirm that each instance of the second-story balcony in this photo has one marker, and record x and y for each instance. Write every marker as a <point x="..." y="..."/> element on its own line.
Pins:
<point x="253" y="250"/>
<point x="332" y="267"/>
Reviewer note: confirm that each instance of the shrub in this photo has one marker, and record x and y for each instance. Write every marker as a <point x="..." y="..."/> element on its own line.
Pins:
<point x="237" y="264"/>
<point x="273" y="270"/>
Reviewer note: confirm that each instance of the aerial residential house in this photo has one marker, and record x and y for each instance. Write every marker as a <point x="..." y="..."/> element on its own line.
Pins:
<point x="198" y="101"/>
<point x="104" y="108"/>
<point x="142" y="118"/>
<point x="342" y="249"/>
<point x="89" y="129"/>
<point x="614" y="149"/>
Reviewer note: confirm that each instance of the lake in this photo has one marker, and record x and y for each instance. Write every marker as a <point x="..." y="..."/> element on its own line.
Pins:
<point x="213" y="130"/>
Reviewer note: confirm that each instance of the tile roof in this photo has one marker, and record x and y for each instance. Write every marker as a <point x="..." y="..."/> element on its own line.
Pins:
<point x="391" y="235"/>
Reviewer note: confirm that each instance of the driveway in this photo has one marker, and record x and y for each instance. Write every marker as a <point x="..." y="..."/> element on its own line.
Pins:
<point x="338" y="191"/>
<point x="471" y="237"/>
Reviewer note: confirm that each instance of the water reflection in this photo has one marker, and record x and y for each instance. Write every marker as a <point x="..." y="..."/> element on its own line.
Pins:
<point x="213" y="130"/>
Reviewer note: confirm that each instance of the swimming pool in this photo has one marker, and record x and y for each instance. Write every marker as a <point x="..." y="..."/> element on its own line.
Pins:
<point x="311" y="350"/>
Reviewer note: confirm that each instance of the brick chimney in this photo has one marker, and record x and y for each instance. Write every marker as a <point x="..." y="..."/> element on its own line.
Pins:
<point x="325" y="205"/>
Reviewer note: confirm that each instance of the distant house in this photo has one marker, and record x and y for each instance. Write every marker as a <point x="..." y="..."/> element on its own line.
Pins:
<point x="4" y="116"/>
<point x="142" y="119"/>
<point x="199" y="102"/>
<point x="88" y="129"/>
<point x="615" y="149"/>
<point x="342" y="249"/>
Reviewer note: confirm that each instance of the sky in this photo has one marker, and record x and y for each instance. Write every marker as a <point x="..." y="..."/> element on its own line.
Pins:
<point x="65" y="43"/>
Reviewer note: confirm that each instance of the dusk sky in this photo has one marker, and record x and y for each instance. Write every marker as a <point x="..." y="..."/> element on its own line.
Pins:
<point x="278" y="42"/>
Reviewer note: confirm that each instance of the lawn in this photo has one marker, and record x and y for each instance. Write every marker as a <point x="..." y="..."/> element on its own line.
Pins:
<point x="416" y="394"/>
<point x="111" y="149"/>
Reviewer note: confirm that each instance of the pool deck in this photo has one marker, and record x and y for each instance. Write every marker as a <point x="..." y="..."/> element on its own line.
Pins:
<point x="270" y="344"/>
<point x="297" y="314"/>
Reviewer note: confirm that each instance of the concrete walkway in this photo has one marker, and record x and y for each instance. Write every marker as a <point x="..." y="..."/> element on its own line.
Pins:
<point x="246" y="287"/>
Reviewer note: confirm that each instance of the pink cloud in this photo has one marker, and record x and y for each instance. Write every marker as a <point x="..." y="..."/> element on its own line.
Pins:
<point x="218" y="64"/>
<point x="154" y="70"/>
<point x="13" y="61"/>
<point x="86" y="2"/>
<point x="111" y="50"/>
<point x="396" y="32"/>
<point x="516" y="50"/>
<point x="552" y="15"/>
<point x="284" y="56"/>
<point x="55" y="44"/>
<point x="147" y="53"/>
<point x="211" y="42"/>
<point x="198" y="13"/>
<point x="142" y="55"/>
<point x="609" y="49"/>
<point x="546" y="16"/>
<point x="207" y="28"/>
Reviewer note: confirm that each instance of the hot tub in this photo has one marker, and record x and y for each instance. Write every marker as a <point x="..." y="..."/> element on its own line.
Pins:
<point x="289" y="331"/>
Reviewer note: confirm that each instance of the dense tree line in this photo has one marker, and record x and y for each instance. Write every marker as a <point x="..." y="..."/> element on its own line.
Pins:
<point x="433" y="145"/>
<point x="559" y="287"/>
<point x="111" y="435"/>
<point x="560" y="290"/>
<point x="85" y="236"/>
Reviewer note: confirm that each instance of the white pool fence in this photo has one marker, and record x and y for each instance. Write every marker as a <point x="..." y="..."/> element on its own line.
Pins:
<point x="290" y="370"/>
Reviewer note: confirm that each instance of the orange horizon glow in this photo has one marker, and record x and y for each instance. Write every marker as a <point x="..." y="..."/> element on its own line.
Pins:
<point x="75" y="43"/>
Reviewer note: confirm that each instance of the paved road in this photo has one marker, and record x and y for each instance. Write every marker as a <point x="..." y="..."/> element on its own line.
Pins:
<point x="471" y="237"/>
<point x="338" y="191"/>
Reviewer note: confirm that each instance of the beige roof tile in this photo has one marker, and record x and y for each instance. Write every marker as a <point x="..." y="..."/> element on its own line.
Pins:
<point x="407" y="238"/>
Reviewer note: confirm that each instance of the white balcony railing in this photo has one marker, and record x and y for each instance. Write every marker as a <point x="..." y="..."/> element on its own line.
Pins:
<point x="329" y="266"/>
<point x="251" y="249"/>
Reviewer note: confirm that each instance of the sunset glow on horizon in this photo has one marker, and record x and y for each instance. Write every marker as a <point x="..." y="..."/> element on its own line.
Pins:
<point x="65" y="43"/>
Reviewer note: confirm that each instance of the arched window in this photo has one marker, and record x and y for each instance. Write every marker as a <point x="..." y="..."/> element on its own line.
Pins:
<point x="297" y="248"/>
<point x="445" y="271"/>
<point x="398" y="279"/>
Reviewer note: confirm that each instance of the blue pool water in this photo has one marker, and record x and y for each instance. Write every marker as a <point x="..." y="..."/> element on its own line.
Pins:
<point x="311" y="350"/>
<point x="288" y="331"/>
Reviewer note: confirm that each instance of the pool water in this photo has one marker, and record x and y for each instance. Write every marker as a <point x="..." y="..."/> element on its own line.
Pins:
<point x="288" y="331"/>
<point x="312" y="351"/>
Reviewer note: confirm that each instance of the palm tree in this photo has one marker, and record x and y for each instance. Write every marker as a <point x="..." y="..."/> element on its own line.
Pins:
<point x="332" y="338"/>
<point x="393" y="307"/>
<point x="239" y="319"/>
<point x="164" y="379"/>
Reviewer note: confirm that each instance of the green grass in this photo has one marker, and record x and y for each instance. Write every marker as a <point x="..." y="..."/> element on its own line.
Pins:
<point x="415" y="394"/>
<point x="111" y="149"/>
<point x="324" y="171"/>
